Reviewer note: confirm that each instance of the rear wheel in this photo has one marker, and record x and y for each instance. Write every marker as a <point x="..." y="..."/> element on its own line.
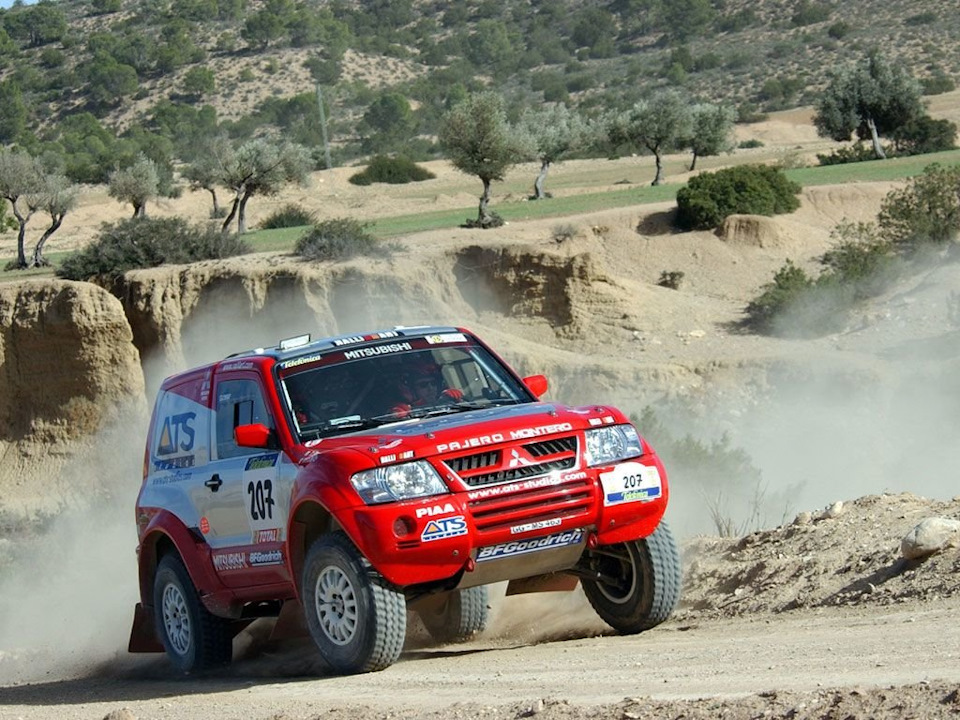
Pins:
<point x="457" y="615"/>
<point x="356" y="618"/>
<point x="637" y="584"/>
<point x="193" y="637"/>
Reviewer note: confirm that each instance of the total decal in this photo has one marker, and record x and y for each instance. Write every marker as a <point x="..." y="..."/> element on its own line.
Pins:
<point x="523" y="547"/>
<point x="631" y="482"/>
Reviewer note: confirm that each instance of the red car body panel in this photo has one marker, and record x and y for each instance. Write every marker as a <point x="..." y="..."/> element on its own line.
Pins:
<point x="437" y="540"/>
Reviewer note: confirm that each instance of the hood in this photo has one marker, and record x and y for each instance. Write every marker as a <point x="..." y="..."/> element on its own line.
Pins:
<point x="473" y="429"/>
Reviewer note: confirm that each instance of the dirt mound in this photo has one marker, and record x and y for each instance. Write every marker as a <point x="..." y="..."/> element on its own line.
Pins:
<point x="846" y="554"/>
<point x="67" y="366"/>
<point x="754" y="230"/>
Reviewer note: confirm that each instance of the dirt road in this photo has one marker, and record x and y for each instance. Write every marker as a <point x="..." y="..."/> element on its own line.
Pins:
<point x="741" y="664"/>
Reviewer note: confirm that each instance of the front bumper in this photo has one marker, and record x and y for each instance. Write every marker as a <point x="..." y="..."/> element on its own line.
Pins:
<point x="514" y="529"/>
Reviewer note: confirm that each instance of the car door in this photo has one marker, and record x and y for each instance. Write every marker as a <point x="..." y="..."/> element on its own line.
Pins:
<point x="246" y="490"/>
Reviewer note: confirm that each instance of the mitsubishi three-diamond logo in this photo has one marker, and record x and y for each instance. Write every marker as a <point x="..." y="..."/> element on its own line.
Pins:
<point x="518" y="460"/>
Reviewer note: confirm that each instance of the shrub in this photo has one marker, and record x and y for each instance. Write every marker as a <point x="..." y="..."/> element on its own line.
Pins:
<point x="751" y="143"/>
<point x="925" y="135"/>
<point x="860" y="266"/>
<point x="564" y="232"/>
<point x="337" y="239"/>
<point x="290" y="215"/>
<point x="789" y="285"/>
<point x="937" y="84"/>
<point x="148" y="242"/>
<point x="394" y="170"/>
<point x="670" y="279"/>
<point x="925" y="211"/>
<point x="851" y="154"/>
<point x="709" y="198"/>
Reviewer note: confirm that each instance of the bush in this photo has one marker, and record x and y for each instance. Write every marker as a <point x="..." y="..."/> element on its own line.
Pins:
<point x="926" y="211"/>
<point x="790" y="283"/>
<point x="337" y="239"/>
<point x="290" y="215"/>
<point x="851" y="154"/>
<point x="671" y="279"/>
<point x="860" y="266"/>
<point x="751" y="143"/>
<point x="148" y="242"/>
<point x="709" y="198"/>
<point x="394" y="170"/>
<point x="925" y="135"/>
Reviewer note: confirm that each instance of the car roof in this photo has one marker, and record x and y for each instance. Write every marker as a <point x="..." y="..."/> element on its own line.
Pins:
<point x="297" y="346"/>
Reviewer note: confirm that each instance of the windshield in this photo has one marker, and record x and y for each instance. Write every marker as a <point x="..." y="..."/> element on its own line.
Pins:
<point x="345" y="390"/>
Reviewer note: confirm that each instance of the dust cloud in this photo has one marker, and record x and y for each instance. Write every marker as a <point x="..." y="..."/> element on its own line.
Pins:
<point x="67" y="595"/>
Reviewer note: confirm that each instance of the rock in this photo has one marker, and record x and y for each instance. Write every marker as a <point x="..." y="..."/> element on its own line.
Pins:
<point x="121" y="714"/>
<point x="834" y="510"/>
<point x="754" y="230"/>
<point x="803" y="518"/>
<point x="930" y="536"/>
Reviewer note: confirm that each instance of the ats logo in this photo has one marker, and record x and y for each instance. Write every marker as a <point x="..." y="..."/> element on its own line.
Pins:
<point x="444" y="528"/>
<point x="177" y="434"/>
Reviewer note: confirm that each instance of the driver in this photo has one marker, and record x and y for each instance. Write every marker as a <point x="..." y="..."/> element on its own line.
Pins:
<point x="421" y="385"/>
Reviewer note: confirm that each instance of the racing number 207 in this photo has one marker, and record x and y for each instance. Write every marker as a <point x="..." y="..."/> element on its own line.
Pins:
<point x="261" y="499"/>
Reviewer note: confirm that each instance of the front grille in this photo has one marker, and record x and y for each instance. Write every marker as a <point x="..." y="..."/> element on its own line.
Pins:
<point x="488" y="467"/>
<point x="498" y="503"/>
<point x="519" y="473"/>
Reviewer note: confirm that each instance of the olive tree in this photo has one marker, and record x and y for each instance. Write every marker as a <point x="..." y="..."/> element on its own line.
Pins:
<point x="259" y="167"/>
<point x="21" y="177"/>
<point x="711" y="130"/>
<point x="135" y="185"/>
<point x="57" y="196"/>
<point x="556" y="131"/>
<point x="479" y="140"/>
<point x="658" y="124"/>
<point x="204" y="171"/>
<point x="872" y="98"/>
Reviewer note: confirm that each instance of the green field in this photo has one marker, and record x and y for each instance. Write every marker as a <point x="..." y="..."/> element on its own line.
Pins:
<point x="283" y="240"/>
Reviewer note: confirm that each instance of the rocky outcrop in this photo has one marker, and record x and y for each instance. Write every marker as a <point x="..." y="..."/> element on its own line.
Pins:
<point x="68" y="368"/>
<point x="66" y="360"/>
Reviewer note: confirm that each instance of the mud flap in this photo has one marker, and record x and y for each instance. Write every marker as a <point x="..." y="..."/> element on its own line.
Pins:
<point x="143" y="636"/>
<point x="290" y="623"/>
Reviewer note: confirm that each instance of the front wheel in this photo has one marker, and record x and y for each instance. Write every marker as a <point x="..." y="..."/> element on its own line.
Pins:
<point x="357" y="619"/>
<point x="458" y="615"/>
<point x="636" y="584"/>
<point x="193" y="637"/>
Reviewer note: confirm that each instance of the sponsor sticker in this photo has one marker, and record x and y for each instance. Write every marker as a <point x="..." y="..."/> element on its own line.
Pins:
<point x="523" y="547"/>
<point x="204" y="525"/>
<point x="266" y="536"/>
<point x="432" y="510"/>
<point x="443" y="528"/>
<point x="445" y="338"/>
<point x="261" y="462"/>
<point x="177" y="463"/>
<point x="376" y="350"/>
<point x="270" y="557"/>
<point x="177" y="434"/>
<point x="230" y="561"/>
<point x="530" y="527"/>
<point x="237" y="365"/>
<point x="297" y="362"/>
<point x="348" y="341"/>
<point x="631" y="482"/>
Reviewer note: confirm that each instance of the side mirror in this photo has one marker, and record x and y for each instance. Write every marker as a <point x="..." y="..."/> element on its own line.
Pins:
<point x="537" y="384"/>
<point x="256" y="435"/>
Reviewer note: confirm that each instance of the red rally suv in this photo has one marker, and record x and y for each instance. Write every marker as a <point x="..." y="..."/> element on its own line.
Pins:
<point x="340" y="483"/>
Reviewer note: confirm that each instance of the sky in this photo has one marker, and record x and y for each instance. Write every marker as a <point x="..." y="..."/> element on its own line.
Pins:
<point x="8" y="3"/>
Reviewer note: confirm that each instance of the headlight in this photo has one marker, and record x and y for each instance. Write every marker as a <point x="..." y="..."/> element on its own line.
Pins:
<point x="398" y="482"/>
<point x="611" y="444"/>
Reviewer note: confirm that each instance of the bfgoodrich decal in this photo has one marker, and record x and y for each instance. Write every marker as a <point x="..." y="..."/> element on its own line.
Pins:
<point x="522" y="547"/>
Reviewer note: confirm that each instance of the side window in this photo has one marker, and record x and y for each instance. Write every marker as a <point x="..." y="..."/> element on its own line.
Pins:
<point x="240" y="402"/>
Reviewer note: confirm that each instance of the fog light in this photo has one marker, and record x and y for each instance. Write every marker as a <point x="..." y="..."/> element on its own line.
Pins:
<point x="403" y="525"/>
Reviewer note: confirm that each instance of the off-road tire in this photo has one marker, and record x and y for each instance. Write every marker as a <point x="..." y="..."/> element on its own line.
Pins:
<point x="194" y="638"/>
<point x="461" y="615"/>
<point x="356" y="618"/>
<point x="640" y="583"/>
